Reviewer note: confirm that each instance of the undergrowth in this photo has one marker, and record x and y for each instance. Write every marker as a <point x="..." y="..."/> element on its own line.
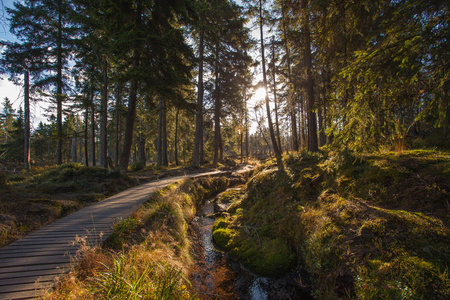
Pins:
<point x="372" y="226"/>
<point x="148" y="255"/>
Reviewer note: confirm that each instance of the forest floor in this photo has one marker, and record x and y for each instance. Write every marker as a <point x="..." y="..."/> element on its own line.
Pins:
<point x="29" y="201"/>
<point x="361" y="226"/>
<point x="350" y="225"/>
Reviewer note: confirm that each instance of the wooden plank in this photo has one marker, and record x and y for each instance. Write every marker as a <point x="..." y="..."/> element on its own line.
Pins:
<point x="78" y="226"/>
<point x="40" y="248"/>
<point x="33" y="261"/>
<point x="24" y="269"/>
<point x="23" y="295"/>
<point x="54" y="239"/>
<point x="35" y="274"/>
<point x="62" y="234"/>
<point x="24" y="291"/>
<point x="36" y="253"/>
<point x="26" y="286"/>
<point x="26" y="280"/>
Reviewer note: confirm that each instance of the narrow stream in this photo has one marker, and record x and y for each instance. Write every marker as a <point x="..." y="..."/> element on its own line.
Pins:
<point x="216" y="276"/>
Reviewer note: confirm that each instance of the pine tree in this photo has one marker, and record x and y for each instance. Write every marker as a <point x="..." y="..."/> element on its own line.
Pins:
<point x="265" y="85"/>
<point x="13" y="149"/>
<point x="160" y="57"/>
<point x="197" y="155"/>
<point x="44" y="28"/>
<point x="18" y="59"/>
<point x="6" y="119"/>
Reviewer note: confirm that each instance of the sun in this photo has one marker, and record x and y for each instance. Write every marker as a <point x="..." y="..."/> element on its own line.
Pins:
<point x="260" y="93"/>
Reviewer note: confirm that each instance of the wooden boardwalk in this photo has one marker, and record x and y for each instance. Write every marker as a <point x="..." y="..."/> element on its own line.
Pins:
<point x="30" y="265"/>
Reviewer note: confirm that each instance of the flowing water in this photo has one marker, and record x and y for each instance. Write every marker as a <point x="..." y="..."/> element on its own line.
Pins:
<point x="216" y="276"/>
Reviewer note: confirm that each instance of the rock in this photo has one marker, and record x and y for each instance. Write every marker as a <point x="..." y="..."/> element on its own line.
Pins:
<point x="221" y="207"/>
<point x="217" y="215"/>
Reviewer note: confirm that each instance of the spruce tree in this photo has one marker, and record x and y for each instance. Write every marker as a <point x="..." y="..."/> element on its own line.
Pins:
<point x="44" y="27"/>
<point x="6" y="120"/>
<point x="13" y="148"/>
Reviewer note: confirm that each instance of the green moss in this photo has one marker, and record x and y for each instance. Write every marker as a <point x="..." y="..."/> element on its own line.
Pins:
<point x="121" y="232"/>
<point x="220" y="223"/>
<point x="222" y="237"/>
<point x="267" y="257"/>
<point x="74" y="177"/>
<point x="403" y="277"/>
<point x="341" y="210"/>
<point x="229" y="196"/>
<point x="266" y="231"/>
<point x="373" y="228"/>
<point x="276" y="258"/>
<point x="136" y="166"/>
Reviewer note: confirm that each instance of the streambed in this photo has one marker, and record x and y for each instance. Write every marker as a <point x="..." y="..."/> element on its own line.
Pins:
<point x="217" y="276"/>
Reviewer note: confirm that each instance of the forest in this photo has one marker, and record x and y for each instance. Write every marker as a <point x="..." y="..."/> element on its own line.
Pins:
<point x="165" y="82"/>
<point x="342" y="107"/>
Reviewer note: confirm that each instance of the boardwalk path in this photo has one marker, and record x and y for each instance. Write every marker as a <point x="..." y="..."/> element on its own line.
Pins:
<point x="30" y="265"/>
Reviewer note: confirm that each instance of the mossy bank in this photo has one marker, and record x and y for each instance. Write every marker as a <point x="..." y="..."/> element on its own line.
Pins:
<point x="361" y="226"/>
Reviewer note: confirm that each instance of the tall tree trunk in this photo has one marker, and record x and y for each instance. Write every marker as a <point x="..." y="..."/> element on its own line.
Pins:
<point x="93" y="131"/>
<point x="269" y="118"/>
<point x="216" y="130"/>
<point x="198" y="141"/>
<point x="131" y="116"/>
<point x="74" y="147"/>
<point x="220" y="148"/>
<point x="301" y="123"/>
<point x="59" y="95"/>
<point x="141" y="149"/>
<point x="104" y="118"/>
<point x="176" y="136"/>
<point x="202" y="142"/>
<point x="321" y="125"/>
<point x="26" y="103"/>
<point x="263" y="136"/>
<point x="217" y="107"/>
<point x="241" y="140"/>
<point x="165" y="160"/>
<point x="322" y="110"/>
<point x="311" y="115"/>
<point x="305" y="123"/>
<point x="86" y="136"/>
<point x="80" y="150"/>
<point x="277" y="124"/>
<point x="118" y="104"/>
<point x="159" y="146"/>
<point x="131" y="112"/>
<point x="322" y="138"/>
<point x="291" y="98"/>
<point x="326" y="88"/>
<point x="246" y="128"/>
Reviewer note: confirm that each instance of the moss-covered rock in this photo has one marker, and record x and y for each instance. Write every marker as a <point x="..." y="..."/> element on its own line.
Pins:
<point x="222" y="237"/>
